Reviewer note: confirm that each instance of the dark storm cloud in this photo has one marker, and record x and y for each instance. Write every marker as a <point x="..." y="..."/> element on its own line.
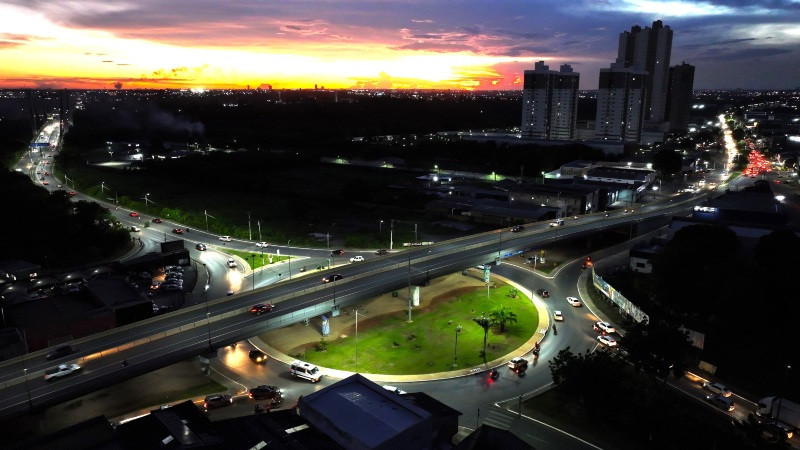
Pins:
<point x="749" y="53"/>
<point x="725" y="42"/>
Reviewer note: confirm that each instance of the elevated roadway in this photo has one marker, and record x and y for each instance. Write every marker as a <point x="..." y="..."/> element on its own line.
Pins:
<point x="164" y="340"/>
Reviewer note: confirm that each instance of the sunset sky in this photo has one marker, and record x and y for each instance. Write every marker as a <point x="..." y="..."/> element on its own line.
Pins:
<point x="452" y="44"/>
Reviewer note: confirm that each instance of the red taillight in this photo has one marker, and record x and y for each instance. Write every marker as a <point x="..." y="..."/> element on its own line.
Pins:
<point x="205" y="405"/>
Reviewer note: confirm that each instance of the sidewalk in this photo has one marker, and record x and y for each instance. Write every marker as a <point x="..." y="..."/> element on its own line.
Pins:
<point x="284" y="339"/>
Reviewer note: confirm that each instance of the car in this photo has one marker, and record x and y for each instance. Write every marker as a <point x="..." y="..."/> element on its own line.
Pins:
<point x="60" y="352"/>
<point x="573" y="301"/>
<point x="231" y="263"/>
<point x="557" y="223"/>
<point x="543" y="293"/>
<point x="258" y="357"/>
<point x="517" y="229"/>
<point x="177" y="230"/>
<point x="200" y="246"/>
<point x="397" y="391"/>
<point x="338" y="252"/>
<point x="299" y="369"/>
<point x="73" y="193"/>
<point x="721" y="402"/>
<point x="155" y="285"/>
<point x="47" y="173"/>
<point x="605" y="327"/>
<point x="214" y="401"/>
<point x="518" y="364"/>
<point x="60" y="371"/>
<point x="47" y="162"/>
<point x="530" y="260"/>
<point x="717" y="388"/>
<point x="357" y="258"/>
<point x="229" y="293"/>
<point x="261" y="308"/>
<point x="45" y="183"/>
<point x="773" y="429"/>
<point x="262" y="244"/>
<point x="333" y="277"/>
<point x="135" y="229"/>
<point x="156" y="220"/>
<point x="225" y="238"/>
<point x="264" y="392"/>
<point x="134" y="214"/>
<point x="607" y="340"/>
<point x="382" y="252"/>
<point x="557" y="316"/>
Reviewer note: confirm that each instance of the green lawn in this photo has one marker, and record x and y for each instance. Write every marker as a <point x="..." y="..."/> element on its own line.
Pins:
<point x="385" y="346"/>
<point x="256" y="262"/>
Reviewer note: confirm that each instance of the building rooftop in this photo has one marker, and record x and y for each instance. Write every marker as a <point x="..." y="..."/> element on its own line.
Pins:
<point x="361" y="411"/>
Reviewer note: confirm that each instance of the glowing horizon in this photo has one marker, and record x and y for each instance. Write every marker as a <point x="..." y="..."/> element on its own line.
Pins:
<point x="97" y="44"/>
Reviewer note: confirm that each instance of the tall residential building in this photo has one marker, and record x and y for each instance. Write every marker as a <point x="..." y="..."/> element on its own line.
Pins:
<point x="621" y="104"/>
<point x="681" y="85"/>
<point x="550" y="102"/>
<point x="649" y="49"/>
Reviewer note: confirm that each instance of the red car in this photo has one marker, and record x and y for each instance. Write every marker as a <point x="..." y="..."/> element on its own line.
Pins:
<point x="73" y="193"/>
<point x="177" y="230"/>
<point x="262" y="308"/>
<point x="47" y="162"/>
<point x="134" y="214"/>
<point x="156" y="220"/>
<point x="45" y="183"/>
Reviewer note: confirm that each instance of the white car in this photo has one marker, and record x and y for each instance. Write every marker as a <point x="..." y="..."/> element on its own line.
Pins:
<point x="607" y="340"/>
<point x="225" y="238"/>
<point x="557" y="223"/>
<point x="61" y="370"/>
<point x="604" y="326"/>
<point x="557" y="316"/>
<point x="573" y="301"/>
<point x="717" y="389"/>
<point x="135" y="228"/>
<point x="231" y="263"/>
<point x="395" y="390"/>
<point x="262" y="244"/>
<point x="357" y="258"/>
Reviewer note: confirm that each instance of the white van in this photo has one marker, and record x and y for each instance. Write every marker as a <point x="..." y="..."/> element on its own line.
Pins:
<point x="225" y="238"/>
<point x="305" y="370"/>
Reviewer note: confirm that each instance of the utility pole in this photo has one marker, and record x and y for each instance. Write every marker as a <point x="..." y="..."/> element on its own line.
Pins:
<point x="409" y="288"/>
<point x="249" y="230"/>
<point x="259" y="230"/>
<point x="391" y="234"/>
<point x="289" y="257"/>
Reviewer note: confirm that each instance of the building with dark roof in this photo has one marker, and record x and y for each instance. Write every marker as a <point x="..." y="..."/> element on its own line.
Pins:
<point x="359" y="414"/>
<point x="354" y="413"/>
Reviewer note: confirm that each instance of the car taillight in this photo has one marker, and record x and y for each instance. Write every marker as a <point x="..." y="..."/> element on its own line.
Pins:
<point x="205" y="405"/>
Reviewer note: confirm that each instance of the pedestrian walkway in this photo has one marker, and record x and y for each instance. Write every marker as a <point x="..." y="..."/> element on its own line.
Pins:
<point x="277" y="343"/>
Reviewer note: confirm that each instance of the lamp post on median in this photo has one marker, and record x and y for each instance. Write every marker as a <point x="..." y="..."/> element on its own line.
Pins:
<point x="289" y="257"/>
<point x="455" y="348"/>
<point x="253" y="267"/>
<point x="208" y="314"/>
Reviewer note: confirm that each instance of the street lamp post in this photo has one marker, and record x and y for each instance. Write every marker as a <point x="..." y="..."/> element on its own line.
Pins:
<point x="249" y="230"/>
<point x="409" y="288"/>
<point x="253" y="266"/>
<point x="455" y="348"/>
<point x="147" y="203"/>
<point x="289" y="243"/>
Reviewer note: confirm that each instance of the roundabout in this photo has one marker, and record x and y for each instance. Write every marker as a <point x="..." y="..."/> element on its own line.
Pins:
<point x="443" y="341"/>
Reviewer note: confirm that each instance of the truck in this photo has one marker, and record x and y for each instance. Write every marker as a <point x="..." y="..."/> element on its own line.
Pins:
<point x="781" y="409"/>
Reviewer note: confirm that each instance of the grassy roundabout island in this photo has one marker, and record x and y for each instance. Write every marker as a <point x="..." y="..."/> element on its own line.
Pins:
<point x="388" y="344"/>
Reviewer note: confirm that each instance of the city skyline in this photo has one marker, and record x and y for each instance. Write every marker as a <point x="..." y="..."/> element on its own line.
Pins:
<point x="408" y="44"/>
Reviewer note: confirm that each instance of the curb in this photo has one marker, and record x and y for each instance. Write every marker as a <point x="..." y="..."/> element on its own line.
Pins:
<point x="527" y="347"/>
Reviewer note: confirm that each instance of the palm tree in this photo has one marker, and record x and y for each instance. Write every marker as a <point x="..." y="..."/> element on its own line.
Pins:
<point x="485" y="323"/>
<point x="503" y="315"/>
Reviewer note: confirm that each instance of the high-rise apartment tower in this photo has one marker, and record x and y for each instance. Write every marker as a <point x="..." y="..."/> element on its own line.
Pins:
<point x="549" y="102"/>
<point x="679" y="96"/>
<point x="620" y="104"/>
<point x="649" y="49"/>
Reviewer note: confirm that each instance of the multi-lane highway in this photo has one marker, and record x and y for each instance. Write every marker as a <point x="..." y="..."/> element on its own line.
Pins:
<point x="163" y="340"/>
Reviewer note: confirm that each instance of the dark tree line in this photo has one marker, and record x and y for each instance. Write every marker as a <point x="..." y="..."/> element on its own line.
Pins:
<point x="50" y="230"/>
